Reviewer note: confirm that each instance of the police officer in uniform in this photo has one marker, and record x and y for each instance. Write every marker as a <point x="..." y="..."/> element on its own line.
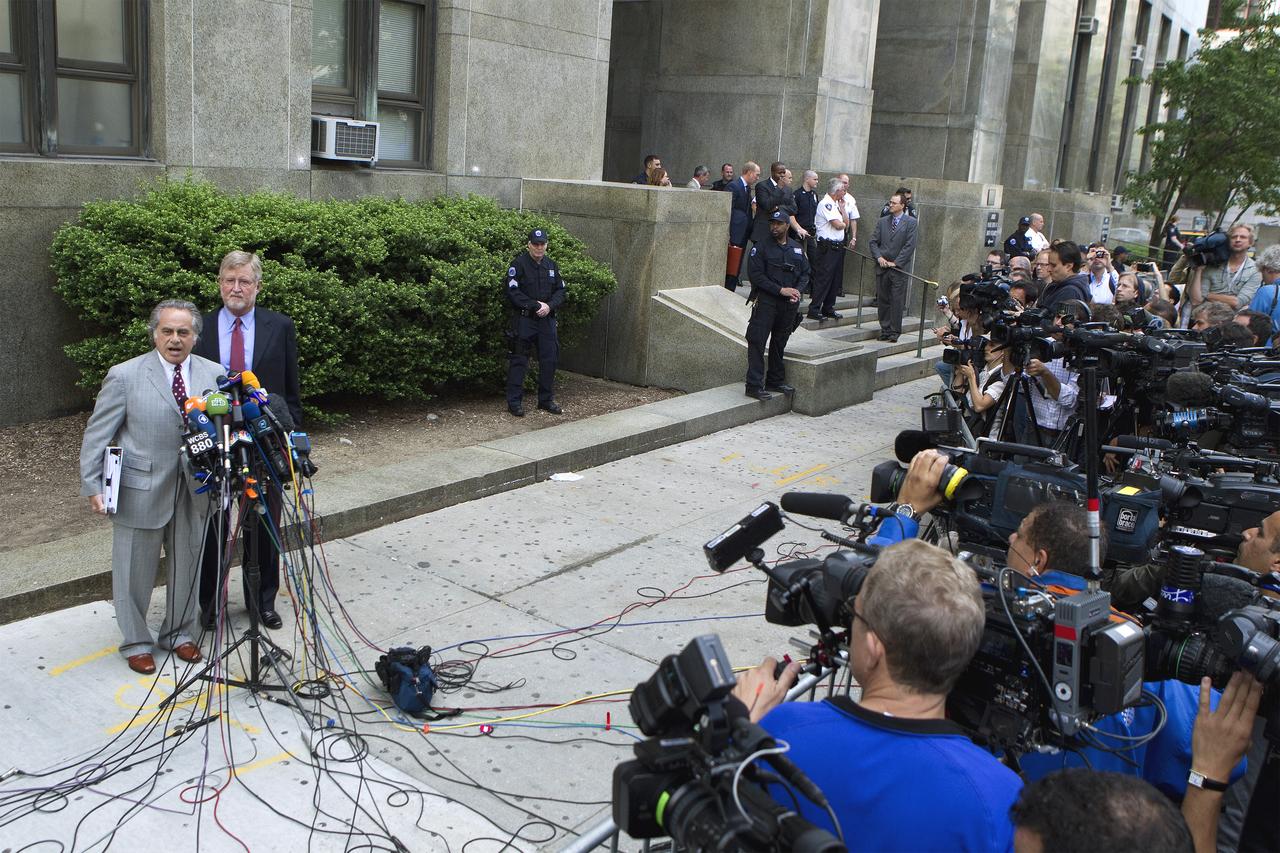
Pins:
<point x="779" y="274"/>
<point x="535" y="291"/>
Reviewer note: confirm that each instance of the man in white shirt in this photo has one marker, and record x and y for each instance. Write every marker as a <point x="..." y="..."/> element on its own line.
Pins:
<point x="1102" y="276"/>
<point x="1038" y="241"/>
<point x="830" y="222"/>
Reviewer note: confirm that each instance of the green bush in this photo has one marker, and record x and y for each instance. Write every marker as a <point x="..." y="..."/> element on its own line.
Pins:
<point x="391" y="299"/>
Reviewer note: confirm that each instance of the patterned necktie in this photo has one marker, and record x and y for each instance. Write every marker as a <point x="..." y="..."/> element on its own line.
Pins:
<point x="893" y="225"/>
<point x="237" y="348"/>
<point x="179" y="388"/>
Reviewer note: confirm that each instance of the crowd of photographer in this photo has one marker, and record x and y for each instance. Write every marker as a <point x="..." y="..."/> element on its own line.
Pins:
<point x="1061" y="612"/>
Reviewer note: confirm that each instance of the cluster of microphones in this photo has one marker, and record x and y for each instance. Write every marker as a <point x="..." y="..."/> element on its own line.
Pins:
<point x="233" y="427"/>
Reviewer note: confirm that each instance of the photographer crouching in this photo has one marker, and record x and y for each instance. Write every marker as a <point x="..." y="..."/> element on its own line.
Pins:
<point x="897" y="773"/>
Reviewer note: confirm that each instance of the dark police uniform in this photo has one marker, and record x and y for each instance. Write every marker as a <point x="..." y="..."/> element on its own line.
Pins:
<point x="528" y="283"/>
<point x="773" y="266"/>
<point x="806" y="202"/>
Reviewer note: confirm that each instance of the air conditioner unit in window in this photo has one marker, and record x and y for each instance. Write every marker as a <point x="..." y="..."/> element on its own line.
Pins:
<point x="1161" y="63"/>
<point x="1138" y="52"/>
<point x="1087" y="26"/>
<point x="334" y="138"/>
<point x="1117" y="202"/>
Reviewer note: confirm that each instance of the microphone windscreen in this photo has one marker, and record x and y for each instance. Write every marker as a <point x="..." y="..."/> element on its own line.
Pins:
<point x="1188" y="388"/>
<point x="817" y="505"/>
<point x="282" y="413"/>
<point x="910" y="442"/>
<point x="249" y="379"/>
<point x="1142" y="442"/>
<point x="1221" y="594"/>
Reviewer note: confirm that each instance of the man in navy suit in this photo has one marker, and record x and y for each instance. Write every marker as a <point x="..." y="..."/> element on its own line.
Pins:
<point x="740" y="214"/>
<point x="241" y="336"/>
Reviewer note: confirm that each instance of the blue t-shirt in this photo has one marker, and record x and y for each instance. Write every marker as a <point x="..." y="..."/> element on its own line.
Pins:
<point x="896" y="784"/>
<point x="1267" y="301"/>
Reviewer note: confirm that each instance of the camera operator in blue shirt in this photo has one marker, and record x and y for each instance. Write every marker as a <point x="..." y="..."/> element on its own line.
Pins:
<point x="897" y="773"/>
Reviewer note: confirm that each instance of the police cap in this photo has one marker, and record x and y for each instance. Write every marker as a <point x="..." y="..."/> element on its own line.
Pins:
<point x="538" y="235"/>
<point x="778" y="216"/>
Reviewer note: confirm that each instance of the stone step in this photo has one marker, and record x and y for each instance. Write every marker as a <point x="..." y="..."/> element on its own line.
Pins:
<point x="903" y="366"/>
<point x="847" y="328"/>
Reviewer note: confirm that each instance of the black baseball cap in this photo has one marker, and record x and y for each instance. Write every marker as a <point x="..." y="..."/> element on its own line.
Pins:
<point x="538" y="235"/>
<point x="778" y="216"/>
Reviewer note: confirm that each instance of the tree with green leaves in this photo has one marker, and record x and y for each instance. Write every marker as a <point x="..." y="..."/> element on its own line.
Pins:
<point x="1220" y="144"/>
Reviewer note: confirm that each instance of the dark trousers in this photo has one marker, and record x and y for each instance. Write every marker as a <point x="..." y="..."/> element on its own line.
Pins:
<point x="891" y="296"/>
<point x="533" y="334"/>
<point x="828" y="265"/>
<point x="773" y="319"/>
<point x="220" y="525"/>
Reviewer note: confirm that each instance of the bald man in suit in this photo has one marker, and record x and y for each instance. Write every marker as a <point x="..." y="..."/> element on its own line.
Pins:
<point x="139" y="409"/>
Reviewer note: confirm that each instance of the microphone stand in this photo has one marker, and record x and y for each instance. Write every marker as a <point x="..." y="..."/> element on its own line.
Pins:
<point x="249" y="476"/>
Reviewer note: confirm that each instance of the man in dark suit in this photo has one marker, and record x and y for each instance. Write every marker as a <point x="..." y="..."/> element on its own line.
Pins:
<point x="740" y="215"/>
<point x="770" y="195"/>
<point x="140" y="411"/>
<point x="241" y="336"/>
<point x="892" y="245"/>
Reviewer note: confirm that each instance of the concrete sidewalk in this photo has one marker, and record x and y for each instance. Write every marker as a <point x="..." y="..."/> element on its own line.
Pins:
<point x="527" y="567"/>
<point x="76" y="569"/>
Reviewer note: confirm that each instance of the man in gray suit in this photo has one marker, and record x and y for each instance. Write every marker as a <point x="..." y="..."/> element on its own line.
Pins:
<point x="892" y="245"/>
<point x="139" y="409"/>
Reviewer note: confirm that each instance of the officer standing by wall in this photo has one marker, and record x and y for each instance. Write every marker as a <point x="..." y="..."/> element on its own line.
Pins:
<point x="779" y="273"/>
<point x="535" y="291"/>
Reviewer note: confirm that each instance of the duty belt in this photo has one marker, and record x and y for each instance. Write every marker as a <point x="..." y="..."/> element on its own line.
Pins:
<point x="822" y="241"/>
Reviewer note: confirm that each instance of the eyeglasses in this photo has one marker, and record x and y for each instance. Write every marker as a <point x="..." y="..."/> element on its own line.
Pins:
<point x="243" y="282"/>
<point x="857" y="616"/>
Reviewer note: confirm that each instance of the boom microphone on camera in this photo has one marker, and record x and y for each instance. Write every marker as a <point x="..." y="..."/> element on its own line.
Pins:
<point x="820" y="505"/>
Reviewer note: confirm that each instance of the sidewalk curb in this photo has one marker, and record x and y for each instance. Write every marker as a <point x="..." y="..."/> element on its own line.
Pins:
<point x="55" y="575"/>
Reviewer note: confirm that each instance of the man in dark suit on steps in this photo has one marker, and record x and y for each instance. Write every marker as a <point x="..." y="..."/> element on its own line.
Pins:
<point x="740" y="212"/>
<point x="241" y="336"/>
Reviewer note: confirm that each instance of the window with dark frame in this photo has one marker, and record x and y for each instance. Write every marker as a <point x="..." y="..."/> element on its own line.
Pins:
<point x="72" y="77"/>
<point x="371" y="61"/>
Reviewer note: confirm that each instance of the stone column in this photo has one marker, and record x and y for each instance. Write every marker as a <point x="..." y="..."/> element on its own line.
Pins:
<point x="735" y="80"/>
<point x="942" y="82"/>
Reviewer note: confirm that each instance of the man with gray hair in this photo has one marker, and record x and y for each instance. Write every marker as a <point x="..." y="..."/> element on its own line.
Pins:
<point x="1267" y="299"/>
<point x="917" y="622"/>
<point x="243" y="336"/>
<point x="140" y="411"/>
<point x="1233" y="283"/>
<point x="699" y="179"/>
<point x="830" y="224"/>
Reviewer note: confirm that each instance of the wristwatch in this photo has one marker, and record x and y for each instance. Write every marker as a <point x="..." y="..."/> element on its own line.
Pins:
<point x="1203" y="782"/>
<point x="905" y="509"/>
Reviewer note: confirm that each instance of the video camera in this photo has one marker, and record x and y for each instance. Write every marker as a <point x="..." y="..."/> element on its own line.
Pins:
<point x="1026" y="335"/>
<point x="694" y="779"/>
<point x="1046" y="666"/>
<point x="1005" y="698"/>
<point x="1213" y="249"/>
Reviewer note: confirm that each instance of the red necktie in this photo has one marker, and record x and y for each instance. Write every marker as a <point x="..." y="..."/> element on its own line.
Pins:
<point x="237" y="348"/>
<point x="179" y="388"/>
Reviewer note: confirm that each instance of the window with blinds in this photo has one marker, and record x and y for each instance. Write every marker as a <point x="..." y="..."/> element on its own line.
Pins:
<point x="371" y="60"/>
<point x="71" y="77"/>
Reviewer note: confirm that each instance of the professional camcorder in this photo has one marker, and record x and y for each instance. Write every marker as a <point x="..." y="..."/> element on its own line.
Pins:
<point x="694" y="779"/>
<point x="1005" y="698"/>
<point x="1213" y="249"/>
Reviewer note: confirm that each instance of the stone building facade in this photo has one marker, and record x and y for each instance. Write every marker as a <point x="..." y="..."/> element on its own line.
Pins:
<point x="964" y="96"/>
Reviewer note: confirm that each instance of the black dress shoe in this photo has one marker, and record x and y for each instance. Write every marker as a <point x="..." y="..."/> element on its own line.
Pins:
<point x="516" y="409"/>
<point x="759" y="394"/>
<point x="272" y="619"/>
<point x="814" y="317"/>
<point x="553" y="407"/>
<point x="781" y="388"/>
<point x="834" y="315"/>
